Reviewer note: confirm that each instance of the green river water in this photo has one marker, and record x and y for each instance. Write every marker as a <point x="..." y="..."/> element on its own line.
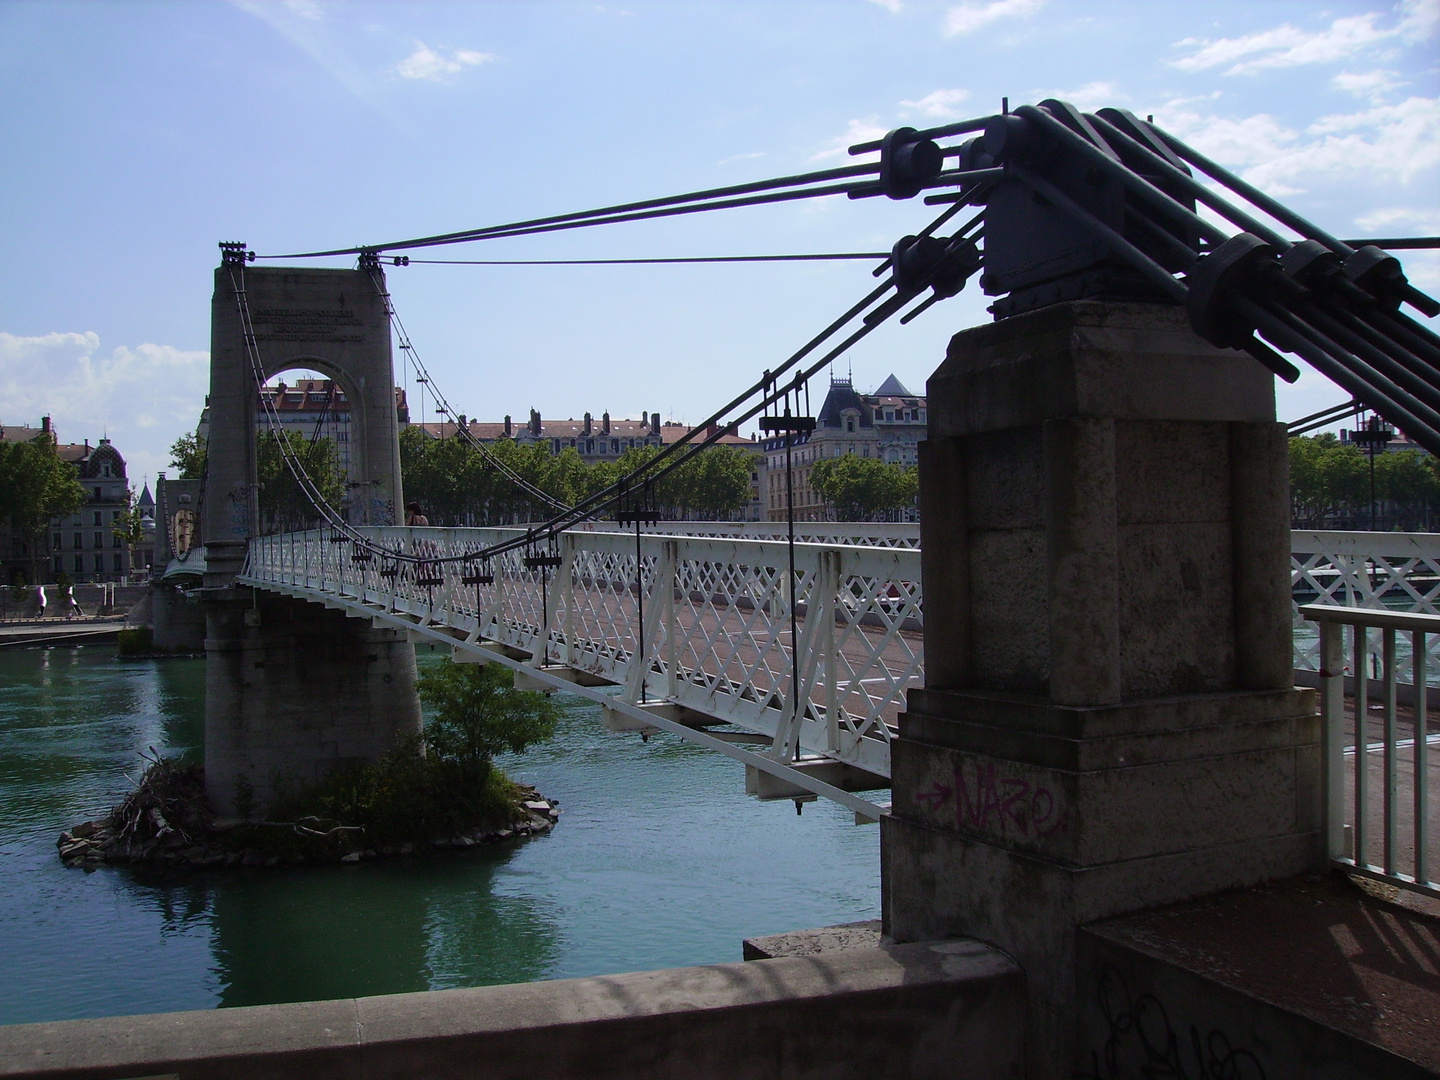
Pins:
<point x="659" y="860"/>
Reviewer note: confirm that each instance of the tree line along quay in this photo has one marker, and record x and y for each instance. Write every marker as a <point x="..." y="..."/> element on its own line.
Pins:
<point x="458" y="485"/>
<point x="1330" y="486"/>
<point x="1329" y="481"/>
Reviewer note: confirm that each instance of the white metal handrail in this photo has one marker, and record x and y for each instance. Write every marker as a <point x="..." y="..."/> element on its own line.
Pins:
<point x="1351" y="804"/>
<point x="847" y="533"/>
<point x="716" y="634"/>
<point x="1383" y="571"/>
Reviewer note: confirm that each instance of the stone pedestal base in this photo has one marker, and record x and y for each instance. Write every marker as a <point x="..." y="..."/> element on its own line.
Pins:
<point x="1016" y="821"/>
<point x="293" y="690"/>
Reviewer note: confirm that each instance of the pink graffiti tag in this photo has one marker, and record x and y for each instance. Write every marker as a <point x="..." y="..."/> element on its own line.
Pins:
<point x="937" y="795"/>
<point x="989" y="802"/>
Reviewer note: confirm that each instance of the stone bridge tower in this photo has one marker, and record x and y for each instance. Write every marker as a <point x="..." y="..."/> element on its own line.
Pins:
<point x="331" y="321"/>
<point x="294" y="689"/>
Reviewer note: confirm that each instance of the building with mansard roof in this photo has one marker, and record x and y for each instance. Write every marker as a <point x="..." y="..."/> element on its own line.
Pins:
<point x="886" y="425"/>
<point x="83" y="545"/>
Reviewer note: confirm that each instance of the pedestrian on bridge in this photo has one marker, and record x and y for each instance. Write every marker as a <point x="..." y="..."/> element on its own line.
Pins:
<point x="414" y="515"/>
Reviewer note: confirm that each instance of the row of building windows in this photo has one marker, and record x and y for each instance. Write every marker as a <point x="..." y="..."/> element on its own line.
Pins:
<point x="117" y="564"/>
<point x="96" y="520"/>
<point x="588" y="446"/>
<point x="57" y="541"/>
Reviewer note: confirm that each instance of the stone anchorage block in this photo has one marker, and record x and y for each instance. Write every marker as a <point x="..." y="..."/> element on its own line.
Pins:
<point x="1104" y="511"/>
<point x="1108" y="721"/>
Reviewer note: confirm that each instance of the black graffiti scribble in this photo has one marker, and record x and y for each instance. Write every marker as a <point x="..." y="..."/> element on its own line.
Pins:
<point x="1142" y="1044"/>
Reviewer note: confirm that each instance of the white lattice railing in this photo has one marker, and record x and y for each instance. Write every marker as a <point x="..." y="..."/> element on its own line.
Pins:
<point x="716" y="635"/>
<point x="1381" y="571"/>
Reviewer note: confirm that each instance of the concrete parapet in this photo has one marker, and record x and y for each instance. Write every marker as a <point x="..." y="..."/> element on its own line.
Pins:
<point x="293" y="690"/>
<point x="940" y="1010"/>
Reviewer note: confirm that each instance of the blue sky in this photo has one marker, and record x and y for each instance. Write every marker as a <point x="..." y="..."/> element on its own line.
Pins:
<point x="134" y="136"/>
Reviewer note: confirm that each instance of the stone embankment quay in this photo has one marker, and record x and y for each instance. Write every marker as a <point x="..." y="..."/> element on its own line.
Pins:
<point x="34" y="633"/>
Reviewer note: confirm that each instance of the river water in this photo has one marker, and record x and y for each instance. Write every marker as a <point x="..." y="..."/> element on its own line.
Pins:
<point x="659" y="860"/>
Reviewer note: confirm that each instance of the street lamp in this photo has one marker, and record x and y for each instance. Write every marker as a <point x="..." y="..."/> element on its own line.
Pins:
<point x="1374" y="436"/>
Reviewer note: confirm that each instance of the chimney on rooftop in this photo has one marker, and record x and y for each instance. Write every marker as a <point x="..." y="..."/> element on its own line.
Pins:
<point x="535" y="423"/>
<point x="589" y="426"/>
<point x="509" y="432"/>
<point x="605" y="423"/>
<point x="45" y="424"/>
<point x="654" y="423"/>
<point x="460" y="420"/>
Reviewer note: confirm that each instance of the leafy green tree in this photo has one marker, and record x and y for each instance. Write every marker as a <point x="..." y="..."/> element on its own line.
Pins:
<point x="479" y="713"/>
<point x="284" y="504"/>
<point x="36" y="486"/>
<point x="1408" y="483"/>
<point x="187" y="454"/>
<point x="1330" y="485"/>
<point x="714" y="483"/>
<point x="1327" y="480"/>
<point x="863" y="489"/>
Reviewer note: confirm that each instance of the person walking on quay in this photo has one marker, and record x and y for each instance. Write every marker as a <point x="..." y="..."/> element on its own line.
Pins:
<point x="39" y="601"/>
<point x="72" y="606"/>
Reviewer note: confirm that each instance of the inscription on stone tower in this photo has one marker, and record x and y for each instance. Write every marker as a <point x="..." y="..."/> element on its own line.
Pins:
<point x="306" y="324"/>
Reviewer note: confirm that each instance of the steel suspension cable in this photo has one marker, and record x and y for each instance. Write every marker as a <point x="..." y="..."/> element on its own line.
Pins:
<point x="443" y="404"/>
<point x="825" y="257"/>
<point x="599" y="501"/>
<point x="583" y="216"/>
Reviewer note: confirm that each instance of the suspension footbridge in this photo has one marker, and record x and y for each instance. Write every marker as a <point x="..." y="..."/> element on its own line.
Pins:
<point x="1108" y="718"/>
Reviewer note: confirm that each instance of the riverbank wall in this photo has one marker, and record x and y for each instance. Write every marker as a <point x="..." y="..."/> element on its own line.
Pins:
<point x="913" y="1011"/>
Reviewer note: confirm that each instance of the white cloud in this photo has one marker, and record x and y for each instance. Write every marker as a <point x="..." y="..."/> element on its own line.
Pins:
<point x="741" y="157"/>
<point x="1288" y="46"/>
<point x="1419" y="20"/>
<point x="892" y="6"/>
<point x="434" y="66"/>
<point x="1386" y="142"/>
<point x="143" y="398"/>
<point x="859" y="131"/>
<point x="939" y="104"/>
<point x="1374" y="86"/>
<point x="1422" y="221"/>
<point x="967" y="18"/>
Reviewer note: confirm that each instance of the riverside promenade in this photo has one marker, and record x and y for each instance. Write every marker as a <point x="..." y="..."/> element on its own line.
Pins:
<point x="34" y="633"/>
